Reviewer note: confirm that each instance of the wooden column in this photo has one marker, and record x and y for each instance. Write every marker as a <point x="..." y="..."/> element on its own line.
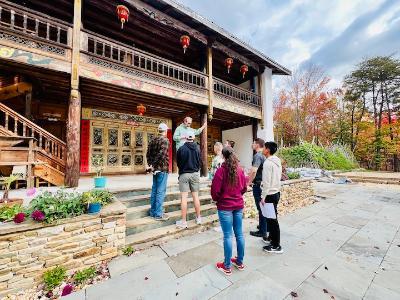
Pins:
<point x="28" y="105"/>
<point x="254" y="128"/>
<point x="203" y="145"/>
<point x="74" y="109"/>
<point x="174" y="165"/>
<point x="210" y="86"/>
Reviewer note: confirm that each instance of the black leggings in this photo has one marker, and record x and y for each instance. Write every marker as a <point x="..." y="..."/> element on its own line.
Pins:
<point x="272" y="224"/>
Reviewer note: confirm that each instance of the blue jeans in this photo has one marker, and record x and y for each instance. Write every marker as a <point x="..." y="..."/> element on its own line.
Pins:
<point x="158" y="194"/>
<point x="232" y="219"/>
<point x="262" y="221"/>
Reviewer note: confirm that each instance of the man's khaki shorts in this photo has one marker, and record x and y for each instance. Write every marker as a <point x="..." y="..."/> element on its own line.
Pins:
<point x="189" y="182"/>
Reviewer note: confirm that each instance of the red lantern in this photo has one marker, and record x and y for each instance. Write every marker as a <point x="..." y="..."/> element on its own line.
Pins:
<point x="123" y="14"/>
<point x="141" y="109"/>
<point x="244" y="69"/>
<point x="229" y="63"/>
<point x="185" y="42"/>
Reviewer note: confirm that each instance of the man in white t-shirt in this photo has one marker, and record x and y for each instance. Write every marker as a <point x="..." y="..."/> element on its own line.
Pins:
<point x="271" y="187"/>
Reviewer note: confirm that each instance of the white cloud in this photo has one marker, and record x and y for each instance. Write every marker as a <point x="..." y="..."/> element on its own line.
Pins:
<point x="334" y="34"/>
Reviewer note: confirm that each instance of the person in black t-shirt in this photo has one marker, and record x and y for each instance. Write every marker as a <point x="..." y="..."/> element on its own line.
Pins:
<point x="255" y="178"/>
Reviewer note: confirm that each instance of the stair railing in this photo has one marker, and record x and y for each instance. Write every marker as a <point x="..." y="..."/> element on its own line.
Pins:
<point x="19" y="125"/>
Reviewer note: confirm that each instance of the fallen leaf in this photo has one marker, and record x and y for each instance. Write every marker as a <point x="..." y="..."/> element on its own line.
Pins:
<point x="326" y="268"/>
<point x="332" y="297"/>
<point x="313" y="276"/>
<point x="325" y="291"/>
<point x="146" y="278"/>
<point x="176" y="294"/>
<point x="294" y="294"/>
<point x="376" y="247"/>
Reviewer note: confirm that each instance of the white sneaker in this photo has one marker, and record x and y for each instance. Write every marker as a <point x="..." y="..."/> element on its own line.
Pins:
<point x="198" y="221"/>
<point x="181" y="224"/>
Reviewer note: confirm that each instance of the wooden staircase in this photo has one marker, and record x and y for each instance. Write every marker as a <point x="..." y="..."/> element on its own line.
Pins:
<point x="42" y="153"/>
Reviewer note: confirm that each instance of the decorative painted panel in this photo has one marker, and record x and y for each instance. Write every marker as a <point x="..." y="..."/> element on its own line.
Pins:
<point x="126" y="138"/>
<point x="113" y="137"/>
<point x="126" y="160"/>
<point x="139" y="160"/>
<point x="97" y="136"/>
<point x="112" y="159"/>
<point x="139" y="139"/>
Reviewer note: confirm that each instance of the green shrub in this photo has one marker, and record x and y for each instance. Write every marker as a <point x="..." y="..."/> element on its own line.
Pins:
<point x="312" y="156"/>
<point x="293" y="175"/>
<point x="128" y="251"/>
<point x="7" y="213"/>
<point x="58" y="205"/>
<point x="97" y="196"/>
<point x="85" y="275"/>
<point x="54" y="277"/>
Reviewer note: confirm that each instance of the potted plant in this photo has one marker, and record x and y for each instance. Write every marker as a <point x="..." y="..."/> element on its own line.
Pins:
<point x="93" y="202"/>
<point x="98" y="163"/>
<point x="6" y="183"/>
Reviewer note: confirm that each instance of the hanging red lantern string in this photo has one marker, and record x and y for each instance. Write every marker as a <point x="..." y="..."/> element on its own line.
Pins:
<point x="185" y="42"/>
<point x="141" y="109"/>
<point x="123" y="14"/>
<point x="229" y="63"/>
<point x="244" y="69"/>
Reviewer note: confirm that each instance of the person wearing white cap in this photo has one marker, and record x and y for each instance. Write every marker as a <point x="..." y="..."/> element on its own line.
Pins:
<point x="158" y="161"/>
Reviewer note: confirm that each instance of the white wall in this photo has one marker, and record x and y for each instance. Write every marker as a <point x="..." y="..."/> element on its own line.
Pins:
<point x="243" y="138"/>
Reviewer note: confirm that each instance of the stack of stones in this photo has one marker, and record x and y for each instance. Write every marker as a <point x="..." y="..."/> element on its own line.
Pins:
<point x="294" y="194"/>
<point x="29" y="249"/>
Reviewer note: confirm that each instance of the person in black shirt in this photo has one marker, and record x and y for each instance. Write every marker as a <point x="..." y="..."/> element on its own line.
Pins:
<point x="188" y="161"/>
<point x="255" y="178"/>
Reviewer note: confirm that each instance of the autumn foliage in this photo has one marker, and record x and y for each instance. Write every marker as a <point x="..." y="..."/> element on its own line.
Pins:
<point x="363" y="114"/>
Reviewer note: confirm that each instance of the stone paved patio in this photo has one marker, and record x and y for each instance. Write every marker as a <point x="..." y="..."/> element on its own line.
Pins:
<point x="346" y="246"/>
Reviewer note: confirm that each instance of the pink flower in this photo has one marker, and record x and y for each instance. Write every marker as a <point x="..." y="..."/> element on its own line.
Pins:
<point x="19" y="218"/>
<point x="30" y="192"/>
<point x="37" y="215"/>
<point x="67" y="290"/>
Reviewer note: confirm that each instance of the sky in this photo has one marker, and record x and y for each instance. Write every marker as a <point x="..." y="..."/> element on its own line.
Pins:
<point x="334" y="34"/>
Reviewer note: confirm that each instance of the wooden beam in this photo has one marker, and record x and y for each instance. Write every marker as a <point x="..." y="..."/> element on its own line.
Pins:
<point x="74" y="109"/>
<point x="210" y="83"/>
<point x="166" y="20"/>
<point x="203" y="145"/>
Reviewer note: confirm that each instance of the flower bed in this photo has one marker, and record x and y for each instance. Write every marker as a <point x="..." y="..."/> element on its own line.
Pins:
<point x="30" y="248"/>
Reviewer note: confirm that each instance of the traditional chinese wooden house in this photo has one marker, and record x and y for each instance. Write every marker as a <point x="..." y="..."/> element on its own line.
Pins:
<point x="83" y="79"/>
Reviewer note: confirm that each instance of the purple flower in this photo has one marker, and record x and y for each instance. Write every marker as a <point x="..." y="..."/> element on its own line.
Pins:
<point x="37" y="215"/>
<point x="30" y="192"/>
<point x="19" y="218"/>
<point x="67" y="290"/>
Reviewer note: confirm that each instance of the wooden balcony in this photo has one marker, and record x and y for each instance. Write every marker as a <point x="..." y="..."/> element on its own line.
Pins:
<point x="32" y="30"/>
<point x="36" y="39"/>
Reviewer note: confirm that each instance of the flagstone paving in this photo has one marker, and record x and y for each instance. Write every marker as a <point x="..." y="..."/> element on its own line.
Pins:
<point x="346" y="246"/>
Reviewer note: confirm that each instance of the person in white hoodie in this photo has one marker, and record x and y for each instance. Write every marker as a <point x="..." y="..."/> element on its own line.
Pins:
<point x="271" y="187"/>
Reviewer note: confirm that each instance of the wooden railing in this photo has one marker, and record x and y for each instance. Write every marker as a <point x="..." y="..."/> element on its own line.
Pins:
<point x="114" y="51"/>
<point x="21" y="126"/>
<point x="33" y="26"/>
<point x="235" y="93"/>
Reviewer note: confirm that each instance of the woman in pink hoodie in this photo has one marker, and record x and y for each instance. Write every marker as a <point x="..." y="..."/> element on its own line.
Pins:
<point x="227" y="189"/>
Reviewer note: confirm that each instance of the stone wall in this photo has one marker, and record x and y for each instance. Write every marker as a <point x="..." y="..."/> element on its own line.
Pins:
<point x="294" y="194"/>
<point x="27" y="250"/>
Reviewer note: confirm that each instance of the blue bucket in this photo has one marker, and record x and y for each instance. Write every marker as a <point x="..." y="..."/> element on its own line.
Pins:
<point x="94" y="208"/>
<point x="99" y="182"/>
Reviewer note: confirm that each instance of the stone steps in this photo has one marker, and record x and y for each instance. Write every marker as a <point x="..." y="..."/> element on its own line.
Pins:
<point x="142" y="229"/>
<point x="148" y="223"/>
<point x="135" y="212"/>
<point x="158" y="235"/>
<point x="142" y="200"/>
